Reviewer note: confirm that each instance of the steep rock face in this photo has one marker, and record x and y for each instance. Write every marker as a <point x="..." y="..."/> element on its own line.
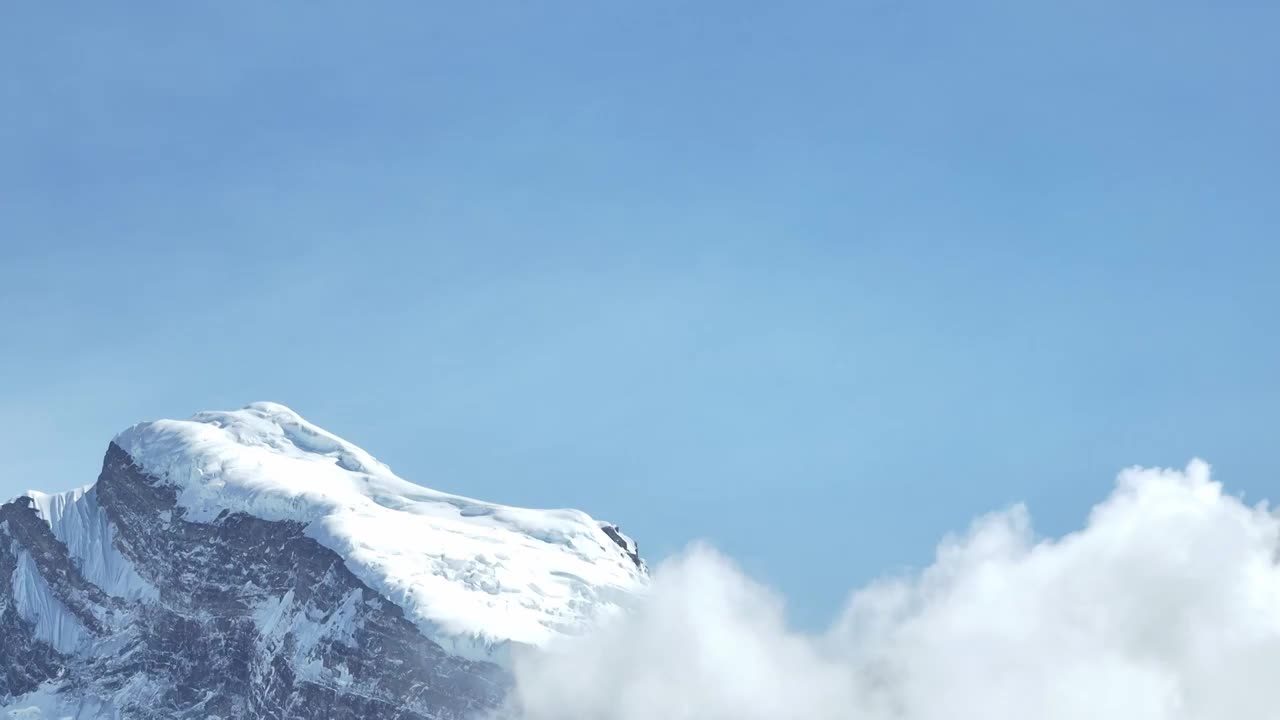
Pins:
<point x="27" y="661"/>
<point x="120" y="601"/>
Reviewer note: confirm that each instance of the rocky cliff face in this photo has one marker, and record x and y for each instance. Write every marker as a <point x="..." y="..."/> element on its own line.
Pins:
<point x="116" y="602"/>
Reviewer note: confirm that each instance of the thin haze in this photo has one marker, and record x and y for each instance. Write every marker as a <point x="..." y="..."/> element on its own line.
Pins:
<point x="815" y="282"/>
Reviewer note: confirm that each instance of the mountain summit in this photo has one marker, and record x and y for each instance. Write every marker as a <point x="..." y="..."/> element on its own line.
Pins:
<point x="250" y="564"/>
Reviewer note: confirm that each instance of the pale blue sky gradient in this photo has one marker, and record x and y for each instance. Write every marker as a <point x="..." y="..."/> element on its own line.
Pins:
<point x="818" y="282"/>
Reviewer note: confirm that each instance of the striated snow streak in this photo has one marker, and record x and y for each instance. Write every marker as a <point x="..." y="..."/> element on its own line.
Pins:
<point x="79" y="523"/>
<point x="474" y="576"/>
<point x="38" y="605"/>
<point x="309" y="630"/>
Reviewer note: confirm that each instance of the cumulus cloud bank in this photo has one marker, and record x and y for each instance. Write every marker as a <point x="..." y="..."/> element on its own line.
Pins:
<point x="1166" y="606"/>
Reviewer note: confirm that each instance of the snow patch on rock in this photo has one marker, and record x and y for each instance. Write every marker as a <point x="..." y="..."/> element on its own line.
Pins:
<point x="49" y="703"/>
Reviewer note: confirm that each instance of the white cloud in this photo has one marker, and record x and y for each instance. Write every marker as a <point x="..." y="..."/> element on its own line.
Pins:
<point x="1165" y="606"/>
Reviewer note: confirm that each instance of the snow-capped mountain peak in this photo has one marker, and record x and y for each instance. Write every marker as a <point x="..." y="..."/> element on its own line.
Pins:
<point x="250" y="564"/>
<point x="473" y="575"/>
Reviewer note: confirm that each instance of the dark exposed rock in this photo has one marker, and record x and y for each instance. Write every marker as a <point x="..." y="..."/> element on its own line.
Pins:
<point x="629" y="546"/>
<point x="27" y="662"/>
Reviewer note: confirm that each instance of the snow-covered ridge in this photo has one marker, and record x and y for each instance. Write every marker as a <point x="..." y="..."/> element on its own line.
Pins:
<point x="474" y="576"/>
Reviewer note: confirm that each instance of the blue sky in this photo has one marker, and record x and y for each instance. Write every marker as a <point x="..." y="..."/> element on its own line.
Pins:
<point x="818" y="282"/>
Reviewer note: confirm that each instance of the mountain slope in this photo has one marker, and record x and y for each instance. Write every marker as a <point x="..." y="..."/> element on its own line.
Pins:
<point x="248" y="563"/>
